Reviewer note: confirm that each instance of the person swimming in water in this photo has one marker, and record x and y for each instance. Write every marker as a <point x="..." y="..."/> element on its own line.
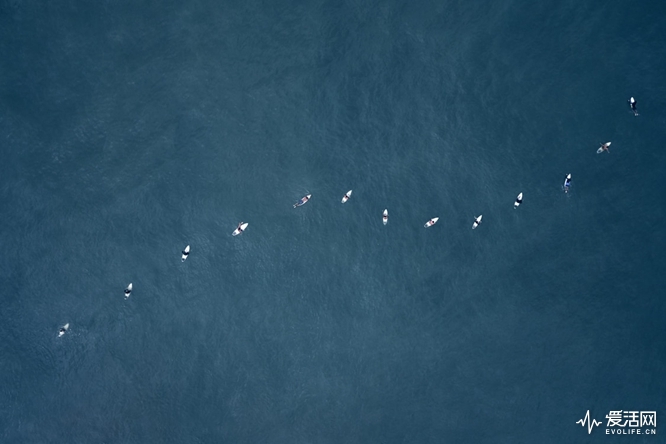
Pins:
<point x="632" y="104"/>
<point x="605" y="146"/>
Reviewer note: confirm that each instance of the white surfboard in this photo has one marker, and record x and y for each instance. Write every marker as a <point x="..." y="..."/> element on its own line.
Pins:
<point x="63" y="329"/>
<point x="601" y="148"/>
<point x="477" y="221"/>
<point x="346" y="197"/>
<point x="431" y="222"/>
<point x="385" y="216"/>
<point x="185" y="253"/>
<point x="518" y="201"/>
<point x="128" y="290"/>
<point x="240" y="228"/>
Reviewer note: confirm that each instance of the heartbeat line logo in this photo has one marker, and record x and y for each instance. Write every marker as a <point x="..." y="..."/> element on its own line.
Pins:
<point x="590" y="424"/>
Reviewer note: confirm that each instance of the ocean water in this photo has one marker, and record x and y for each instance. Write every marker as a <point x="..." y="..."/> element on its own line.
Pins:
<point x="131" y="129"/>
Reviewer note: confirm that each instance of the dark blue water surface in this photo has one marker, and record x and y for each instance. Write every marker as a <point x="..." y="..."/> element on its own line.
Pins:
<point x="131" y="129"/>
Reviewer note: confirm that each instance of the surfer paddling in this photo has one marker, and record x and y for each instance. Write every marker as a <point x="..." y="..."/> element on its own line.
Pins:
<point x="518" y="201"/>
<point x="303" y="201"/>
<point x="567" y="183"/>
<point x="240" y="228"/>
